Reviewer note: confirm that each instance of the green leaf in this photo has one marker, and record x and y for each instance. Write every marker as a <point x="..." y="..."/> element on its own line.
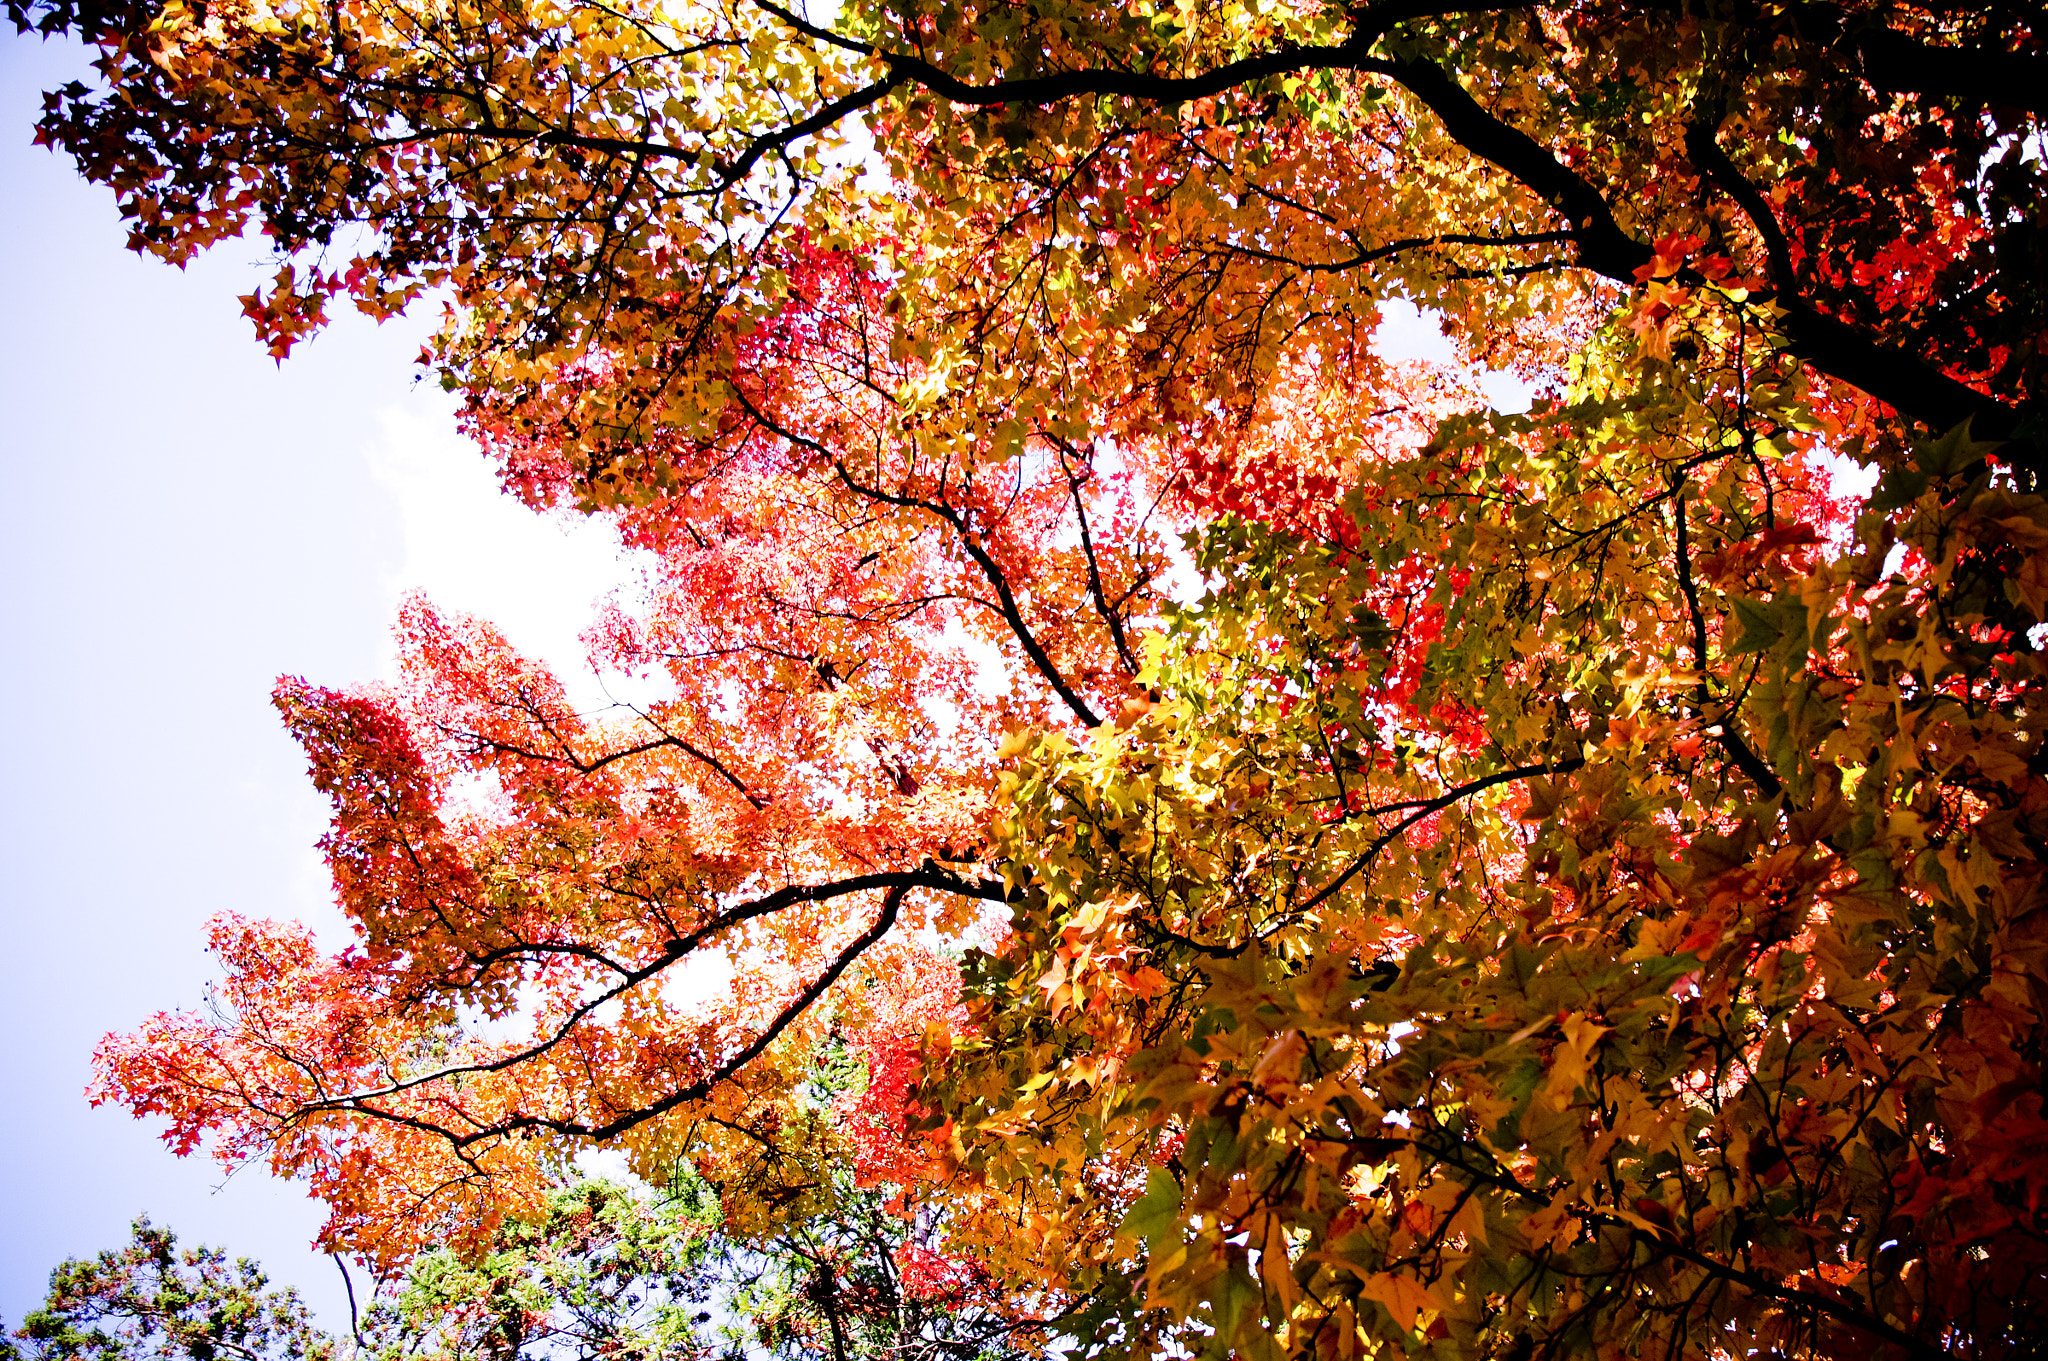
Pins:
<point x="1762" y="625"/>
<point x="1157" y="1211"/>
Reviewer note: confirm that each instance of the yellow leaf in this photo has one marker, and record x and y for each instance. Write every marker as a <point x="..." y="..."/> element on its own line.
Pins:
<point x="1404" y="1297"/>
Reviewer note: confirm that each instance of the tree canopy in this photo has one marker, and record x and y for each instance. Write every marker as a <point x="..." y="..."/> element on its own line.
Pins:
<point x="150" y="1299"/>
<point x="606" y="1272"/>
<point x="1308" y="864"/>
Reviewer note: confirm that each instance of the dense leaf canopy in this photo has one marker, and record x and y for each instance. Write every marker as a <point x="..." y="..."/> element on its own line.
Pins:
<point x="1308" y="864"/>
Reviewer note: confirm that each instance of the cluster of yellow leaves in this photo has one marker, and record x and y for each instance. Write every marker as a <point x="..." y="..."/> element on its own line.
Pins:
<point x="1565" y="884"/>
<point x="1656" y="1038"/>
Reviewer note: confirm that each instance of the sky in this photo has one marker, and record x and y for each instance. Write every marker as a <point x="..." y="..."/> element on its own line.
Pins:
<point x="182" y="521"/>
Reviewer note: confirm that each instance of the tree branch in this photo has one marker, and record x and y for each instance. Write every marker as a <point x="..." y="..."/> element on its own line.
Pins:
<point x="1102" y="606"/>
<point x="1007" y="606"/>
<point x="895" y="882"/>
<point x="1918" y="390"/>
<point x="1702" y="144"/>
<point x="1842" y="1313"/>
<point x="1012" y="613"/>
<point x="1423" y="808"/>
<point x="1894" y="63"/>
<point x="1746" y="760"/>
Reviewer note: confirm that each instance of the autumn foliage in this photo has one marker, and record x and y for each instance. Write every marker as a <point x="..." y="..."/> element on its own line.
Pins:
<point x="1305" y="863"/>
<point x="599" y="1270"/>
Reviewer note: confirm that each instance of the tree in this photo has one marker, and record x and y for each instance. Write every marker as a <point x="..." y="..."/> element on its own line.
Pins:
<point x="606" y="1271"/>
<point x="1517" y="884"/>
<point x="151" y="1299"/>
<point x="872" y="1277"/>
<point x="610" y="1271"/>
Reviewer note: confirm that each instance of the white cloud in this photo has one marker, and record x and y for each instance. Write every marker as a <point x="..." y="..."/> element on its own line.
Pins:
<point x="1410" y="332"/>
<point x="470" y="546"/>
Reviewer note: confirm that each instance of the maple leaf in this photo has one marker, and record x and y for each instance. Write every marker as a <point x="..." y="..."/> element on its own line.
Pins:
<point x="1220" y="786"/>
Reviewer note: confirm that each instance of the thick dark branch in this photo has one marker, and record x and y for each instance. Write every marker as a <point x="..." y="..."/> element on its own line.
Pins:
<point x="1422" y="808"/>
<point x="1746" y="760"/>
<point x="743" y="165"/>
<point x="798" y="1005"/>
<point x="896" y="882"/>
<point x="1372" y="23"/>
<point x="1110" y="615"/>
<point x="1702" y="145"/>
<point x="591" y="767"/>
<point x="1603" y="246"/>
<point x="1137" y="85"/>
<point x="1887" y="372"/>
<point x="1917" y="389"/>
<point x="1012" y="612"/>
<point x="1897" y="64"/>
<point x="1839" y="1310"/>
